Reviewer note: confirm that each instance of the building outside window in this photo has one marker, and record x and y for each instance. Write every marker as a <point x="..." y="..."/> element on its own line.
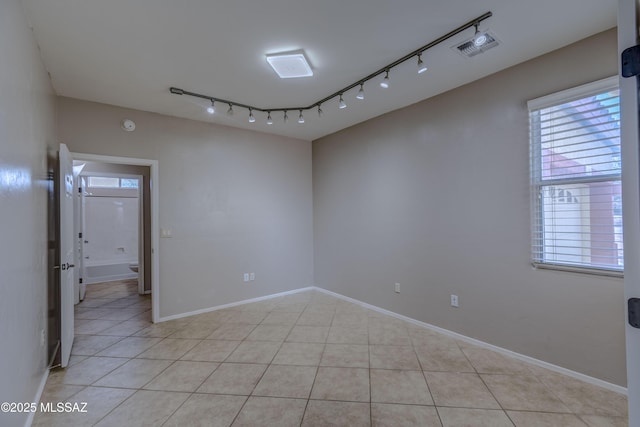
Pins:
<point x="576" y="179"/>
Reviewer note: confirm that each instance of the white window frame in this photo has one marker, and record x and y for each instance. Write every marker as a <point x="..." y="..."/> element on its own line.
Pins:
<point x="537" y="182"/>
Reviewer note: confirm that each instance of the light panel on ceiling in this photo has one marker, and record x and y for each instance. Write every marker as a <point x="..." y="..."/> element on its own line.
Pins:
<point x="290" y="65"/>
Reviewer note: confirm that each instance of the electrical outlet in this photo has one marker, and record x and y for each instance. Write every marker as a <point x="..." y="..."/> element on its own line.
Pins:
<point x="454" y="301"/>
<point x="246" y="277"/>
<point x="397" y="288"/>
<point x="42" y="338"/>
<point x="252" y="277"/>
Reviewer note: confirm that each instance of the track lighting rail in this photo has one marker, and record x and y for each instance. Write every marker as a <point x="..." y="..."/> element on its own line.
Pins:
<point x="474" y="23"/>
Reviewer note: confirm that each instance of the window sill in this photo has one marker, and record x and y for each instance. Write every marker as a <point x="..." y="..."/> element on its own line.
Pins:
<point x="582" y="270"/>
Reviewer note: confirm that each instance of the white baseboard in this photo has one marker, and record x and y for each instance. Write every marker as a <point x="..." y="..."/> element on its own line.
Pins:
<point x="528" y="359"/>
<point x="233" y="304"/>
<point x="37" y="397"/>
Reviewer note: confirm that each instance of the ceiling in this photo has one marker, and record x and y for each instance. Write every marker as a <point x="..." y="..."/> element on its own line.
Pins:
<point x="129" y="52"/>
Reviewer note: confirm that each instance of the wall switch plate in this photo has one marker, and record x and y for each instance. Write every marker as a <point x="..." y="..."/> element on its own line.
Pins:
<point x="42" y="337"/>
<point x="397" y="288"/>
<point x="252" y="277"/>
<point x="454" y="301"/>
<point x="246" y="277"/>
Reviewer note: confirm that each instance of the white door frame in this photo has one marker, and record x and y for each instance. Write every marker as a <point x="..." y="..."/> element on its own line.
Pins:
<point x="155" y="230"/>
<point x="141" y="237"/>
<point x="77" y="228"/>
<point x="627" y="37"/>
<point x="80" y="265"/>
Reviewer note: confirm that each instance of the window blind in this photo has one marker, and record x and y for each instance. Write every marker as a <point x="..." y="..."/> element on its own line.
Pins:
<point x="576" y="178"/>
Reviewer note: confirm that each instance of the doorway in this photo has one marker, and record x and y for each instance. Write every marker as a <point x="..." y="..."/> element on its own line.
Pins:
<point x="126" y="171"/>
<point x="112" y="222"/>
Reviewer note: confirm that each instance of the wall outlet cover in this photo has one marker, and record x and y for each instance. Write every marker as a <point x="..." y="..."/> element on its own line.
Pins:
<point x="454" y="301"/>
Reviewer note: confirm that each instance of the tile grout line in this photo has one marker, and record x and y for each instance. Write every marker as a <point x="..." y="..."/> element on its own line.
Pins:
<point x="91" y="385"/>
<point x="504" y="411"/>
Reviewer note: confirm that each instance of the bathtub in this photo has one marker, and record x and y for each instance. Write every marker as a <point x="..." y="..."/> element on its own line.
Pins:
<point x="96" y="273"/>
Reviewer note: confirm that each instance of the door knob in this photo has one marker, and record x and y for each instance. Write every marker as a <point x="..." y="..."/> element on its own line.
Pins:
<point x="67" y="266"/>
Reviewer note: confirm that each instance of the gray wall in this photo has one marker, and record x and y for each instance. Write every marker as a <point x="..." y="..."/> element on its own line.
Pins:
<point x="236" y="201"/>
<point x="27" y="128"/>
<point x="435" y="196"/>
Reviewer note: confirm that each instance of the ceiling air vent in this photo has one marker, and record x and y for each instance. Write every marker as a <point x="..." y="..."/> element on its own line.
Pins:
<point x="469" y="49"/>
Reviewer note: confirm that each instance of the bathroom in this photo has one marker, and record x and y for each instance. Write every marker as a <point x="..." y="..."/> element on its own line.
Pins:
<point x="111" y="209"/>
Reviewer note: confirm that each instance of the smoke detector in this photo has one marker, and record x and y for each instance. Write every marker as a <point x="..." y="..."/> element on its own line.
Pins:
<point x="469" y="49"/>
<point x="128" y="125"/>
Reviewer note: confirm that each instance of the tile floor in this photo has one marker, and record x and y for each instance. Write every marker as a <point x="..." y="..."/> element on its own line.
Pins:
<point x="306" y="359"/>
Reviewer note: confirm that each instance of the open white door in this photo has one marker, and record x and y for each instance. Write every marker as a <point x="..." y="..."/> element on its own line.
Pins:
<point x="629" y="99"/>
<point x="66" y="266"/>
<point x="81" y="270"/>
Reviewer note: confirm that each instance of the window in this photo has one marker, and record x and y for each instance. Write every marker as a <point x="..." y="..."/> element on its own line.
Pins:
<point x="576" y="179"/>
<point x="111" y="182"/>
<point x="128" y="183"/>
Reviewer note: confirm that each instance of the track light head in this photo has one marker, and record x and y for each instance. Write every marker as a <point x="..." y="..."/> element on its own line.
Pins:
<point x="341" y="103"/>
<point x="252" y="118"/>
<point x="211" y="108"/>
<point x="300" y="117"/>
<point x="479" y="38"/>
<point x="230" y="110"/>
<point x="360" y="94"/>
<point x="319" y="111"/>
<point x="385" y="82"/>
<point x="269" y="119"/>
<point x="422" y="67"/>
<point x="285" y="116"/>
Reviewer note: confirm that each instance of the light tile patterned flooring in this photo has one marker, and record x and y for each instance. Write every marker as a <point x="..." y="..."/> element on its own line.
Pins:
<point x="306" y="359"/>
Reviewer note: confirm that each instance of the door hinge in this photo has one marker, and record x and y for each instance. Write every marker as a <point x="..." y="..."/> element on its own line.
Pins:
<point x="80" y="280"/>
<point x="631" y="61"/>
<point x="79" y="235"/>
<point x="633" y="306"/>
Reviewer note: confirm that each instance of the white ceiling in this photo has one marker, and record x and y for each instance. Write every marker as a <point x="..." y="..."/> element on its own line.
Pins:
<point x="129" y="52"/>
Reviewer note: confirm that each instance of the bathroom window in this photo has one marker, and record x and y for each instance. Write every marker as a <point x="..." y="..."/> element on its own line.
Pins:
<point x="111" y="182"/>
<point x="128" y="183"/>
<point x="103" y="182"/>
